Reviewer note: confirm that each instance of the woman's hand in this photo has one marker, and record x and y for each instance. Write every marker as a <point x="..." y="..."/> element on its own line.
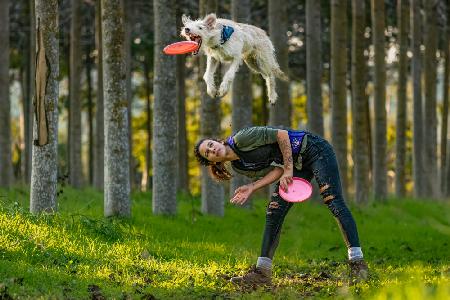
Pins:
<point x="241" y="194"/>
<point x="286" y="179"/>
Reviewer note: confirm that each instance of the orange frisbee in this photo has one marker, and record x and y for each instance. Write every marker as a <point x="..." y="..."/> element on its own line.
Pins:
<point x="180" y="47"/>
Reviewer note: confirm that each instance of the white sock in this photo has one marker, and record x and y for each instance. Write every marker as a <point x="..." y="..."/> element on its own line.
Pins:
<point x="264" y="263"/>
<point x="355" y="253"/>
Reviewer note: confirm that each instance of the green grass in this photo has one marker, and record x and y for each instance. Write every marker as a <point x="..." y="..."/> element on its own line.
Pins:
<point x="79" y="254"/>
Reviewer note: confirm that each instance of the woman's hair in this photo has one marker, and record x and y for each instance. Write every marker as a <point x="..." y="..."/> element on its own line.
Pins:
<point x="216" y="170"/>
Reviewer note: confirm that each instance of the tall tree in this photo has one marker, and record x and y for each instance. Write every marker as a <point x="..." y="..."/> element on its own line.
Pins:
<point x="183" y="176"/>
<point x="430" y="116"/>
<point x="117" y="169"/>
<point x="280" y="113"/>
<point x="99" y="112"/>
<point x="359" y="104"/>
<point x="5" y="102"/>
<point x="90" y="104"/>
<point x="416" y="72"/>
<point x="314" y="67"/>
<point x="241" y="91"/>
<point x="75" y="165"/>
<point x="44" y="163"/>
<point x="212" y="192"/>
<point x="400" y="144"/>
<point x="148" y="107"/>
<point x="444" y="179"/>
<point x="379" y="101"/>
<point x="338" y="73"/>
<point x="165" y="112"/>
<point x="29" y="91"/>
<point x="128" y="26"/>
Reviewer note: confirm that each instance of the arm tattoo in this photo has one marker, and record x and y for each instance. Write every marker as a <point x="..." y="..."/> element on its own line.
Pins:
<point x="285" y="147"/>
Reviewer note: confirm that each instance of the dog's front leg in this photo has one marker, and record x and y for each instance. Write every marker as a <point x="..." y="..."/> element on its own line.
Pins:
<point x="208" y="77"/>
<point x="229" y="77"/>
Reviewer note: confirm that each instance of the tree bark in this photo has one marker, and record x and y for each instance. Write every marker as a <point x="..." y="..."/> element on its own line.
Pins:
<point x="165" y="112"/>
<point x="99" y="107"/>
<point x="128" y="25"/>
<point x="430" y="117"/>
<point x="314" y="67"/>
<point x="416" y="73"/>
<point x="280" y="113"/>
<point x="338" y="73"/>
<point x="359" y="104"/>
<point x="90" y="115"/>
<point x="379" y="101"/>
<point x="400" y="144"/>
<point x="44" y="167"/>
<point x="444" y="130"/>
<point x="212" y="192"/>
<point x="75" y="161"/>
<point x="117" y="168"/>
<point x="241" y="93"/>
<point x="183" y="176"/>
<point x="28" y="99"/>
<point x="5" y="102"/>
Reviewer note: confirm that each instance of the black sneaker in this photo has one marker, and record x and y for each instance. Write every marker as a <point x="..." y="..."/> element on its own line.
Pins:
<point x="358" y="270"/>
<point x="254" y="277"/>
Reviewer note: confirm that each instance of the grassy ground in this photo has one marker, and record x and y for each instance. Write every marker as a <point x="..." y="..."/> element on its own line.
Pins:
<point x="79" y="254"/>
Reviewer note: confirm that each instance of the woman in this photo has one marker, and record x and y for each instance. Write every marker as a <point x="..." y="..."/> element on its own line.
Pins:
<point x="270" y="155"/>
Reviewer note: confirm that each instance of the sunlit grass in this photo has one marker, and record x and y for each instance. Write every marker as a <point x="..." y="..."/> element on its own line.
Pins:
<point x="77" y="251"/>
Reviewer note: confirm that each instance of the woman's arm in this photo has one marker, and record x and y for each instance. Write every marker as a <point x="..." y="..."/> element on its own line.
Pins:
<point x="241" y="194"/>
<point x="286" y="150"/>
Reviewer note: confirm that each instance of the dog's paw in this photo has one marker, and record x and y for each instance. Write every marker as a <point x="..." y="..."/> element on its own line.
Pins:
<point x="211" y="90"/>
<point x="223" y="89"/>
<point x="273" y="99"/>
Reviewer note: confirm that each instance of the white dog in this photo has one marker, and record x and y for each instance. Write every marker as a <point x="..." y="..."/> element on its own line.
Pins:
<point x="228" y="41"/>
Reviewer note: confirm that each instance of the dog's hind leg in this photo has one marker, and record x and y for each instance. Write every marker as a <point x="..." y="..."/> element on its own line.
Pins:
<point x="252" y="64"/>
<point x="271" y="92"/>
<point x="208" y="77"/>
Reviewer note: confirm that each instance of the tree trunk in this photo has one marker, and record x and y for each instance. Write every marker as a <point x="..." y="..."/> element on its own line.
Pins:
<point x="359" y="104"/>
<point x="416" y="71"/>
<point x="148" y="106"/>
<point x="430" y="117"/>
<point x="117" y="168"/>
<point x="5" y="102"/>
<point x="314" y="67"/>
<point x="45" y="157"/>
<point x="280" y="113"/>
<point x="241" y="93"/>
<point x="99" y="108"/>
<point x="379" y="102"/>
<point x="444" y="178"/>
<point x="183" y="176"/>
<point x="165" y="112"/>
<point x="90" y="115"/>
<point x="400" y="144"/>
<point x="338" y="73"/>
<point x="212" y="192"/>
<point x="128" y="26"/>
<point x="29" y="91"/>
<point x="75" y="162"/>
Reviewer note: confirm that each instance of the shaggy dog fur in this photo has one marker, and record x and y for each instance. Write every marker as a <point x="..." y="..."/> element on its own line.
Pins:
<point x="247" y="43"/>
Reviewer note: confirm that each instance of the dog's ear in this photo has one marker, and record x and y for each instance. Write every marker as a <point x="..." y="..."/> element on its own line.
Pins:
<point x="210" y="20"/>
<point x="185" y="19"/>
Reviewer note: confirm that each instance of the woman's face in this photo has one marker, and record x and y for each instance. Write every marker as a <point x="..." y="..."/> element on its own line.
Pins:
<point x="212" y="150"/>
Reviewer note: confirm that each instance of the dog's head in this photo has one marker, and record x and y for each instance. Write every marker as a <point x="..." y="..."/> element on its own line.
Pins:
<point x="199" y="30"/>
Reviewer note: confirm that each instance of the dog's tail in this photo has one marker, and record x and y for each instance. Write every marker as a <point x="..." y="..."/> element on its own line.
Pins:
<point x="280" y="74"/>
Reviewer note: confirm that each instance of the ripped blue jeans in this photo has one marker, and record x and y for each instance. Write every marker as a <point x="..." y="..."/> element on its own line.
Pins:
<point x="319" y="161"/>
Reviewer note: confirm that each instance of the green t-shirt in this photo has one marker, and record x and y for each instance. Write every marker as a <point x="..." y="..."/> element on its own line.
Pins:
<point x="250" y="138"/>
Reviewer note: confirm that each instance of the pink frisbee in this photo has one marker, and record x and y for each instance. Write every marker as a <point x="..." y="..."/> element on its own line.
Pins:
<point x="298" y="191"/>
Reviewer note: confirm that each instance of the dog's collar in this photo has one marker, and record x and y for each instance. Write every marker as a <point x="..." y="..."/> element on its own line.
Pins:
<point x="225" y="35"/>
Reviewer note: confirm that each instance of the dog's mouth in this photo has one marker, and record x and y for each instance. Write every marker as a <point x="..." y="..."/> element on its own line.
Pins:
<point x="197" y="39"/>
